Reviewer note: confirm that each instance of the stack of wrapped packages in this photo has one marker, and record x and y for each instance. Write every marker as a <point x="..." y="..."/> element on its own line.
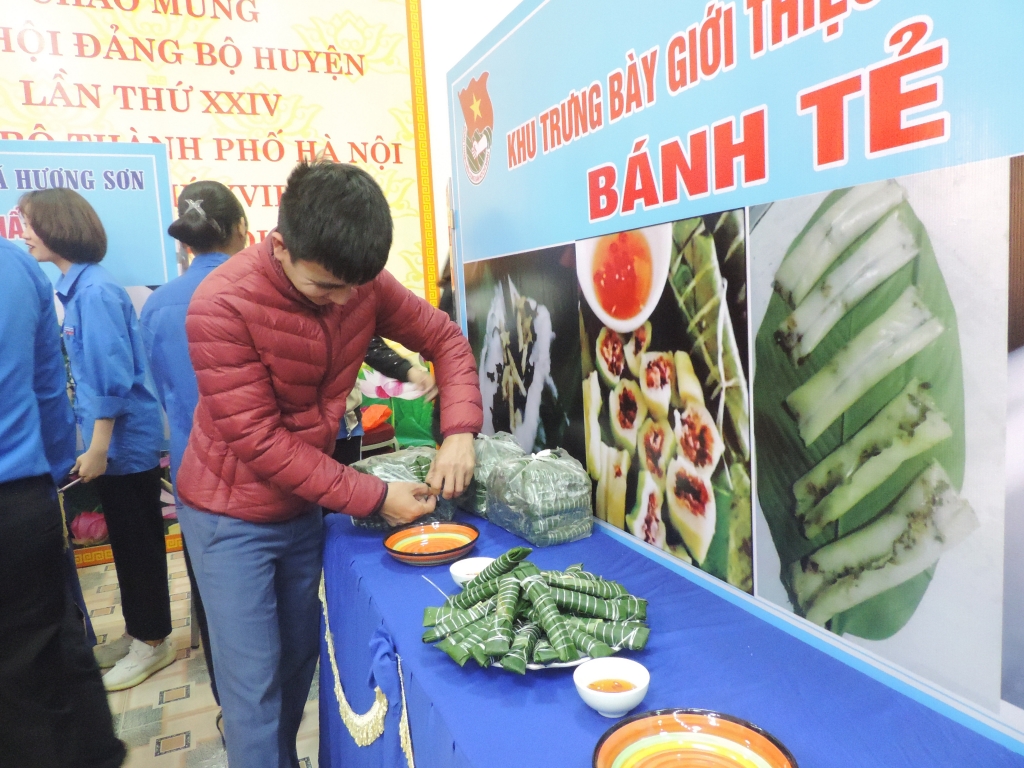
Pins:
<point x="514" y="615"/>
<point x="545" y="498"/>
<point x="491" y="451"/>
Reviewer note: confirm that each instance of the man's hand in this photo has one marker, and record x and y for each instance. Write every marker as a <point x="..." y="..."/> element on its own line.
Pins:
<point x="452" y="470"/>
<point x="423" y="379"/>
<point x="406" y="502"/>
<point x="90" y="465"/>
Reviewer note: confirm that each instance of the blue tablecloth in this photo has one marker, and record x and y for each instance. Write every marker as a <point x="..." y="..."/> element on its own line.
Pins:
<point x="704" y="652"/>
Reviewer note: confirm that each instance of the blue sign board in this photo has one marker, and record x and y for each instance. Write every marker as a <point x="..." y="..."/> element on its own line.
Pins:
<point x="127" y="184"/>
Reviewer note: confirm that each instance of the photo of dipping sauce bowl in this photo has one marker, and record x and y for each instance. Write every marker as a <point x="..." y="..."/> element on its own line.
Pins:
<point x="659" y="242"/>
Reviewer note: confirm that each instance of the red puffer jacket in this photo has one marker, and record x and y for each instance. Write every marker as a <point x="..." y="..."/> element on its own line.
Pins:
<point x="274" y="371"/>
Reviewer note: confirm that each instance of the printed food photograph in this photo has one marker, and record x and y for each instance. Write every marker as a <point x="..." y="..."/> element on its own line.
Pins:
<point x="521" y="314"/>
<point x="663" y="331"/>
<point x="858" y="408"/>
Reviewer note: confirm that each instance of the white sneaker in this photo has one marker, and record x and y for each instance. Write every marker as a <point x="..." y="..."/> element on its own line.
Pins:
<point x="108" y="654"/>
<point x="142" y="661"/>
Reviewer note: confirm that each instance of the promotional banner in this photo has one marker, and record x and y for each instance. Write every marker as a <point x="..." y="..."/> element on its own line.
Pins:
<point x="790" y="225"/>
<point x="126" y="185"/>
<point x="238" y="91"/>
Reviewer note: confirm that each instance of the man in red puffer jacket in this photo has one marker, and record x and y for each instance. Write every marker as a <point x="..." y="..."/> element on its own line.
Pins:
<point x="276" y="336"/>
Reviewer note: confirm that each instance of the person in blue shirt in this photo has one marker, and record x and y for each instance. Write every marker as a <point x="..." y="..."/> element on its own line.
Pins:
<point x="119" y="417"/>
<point x="53" y="708"/>
<point x="212" y="223"/>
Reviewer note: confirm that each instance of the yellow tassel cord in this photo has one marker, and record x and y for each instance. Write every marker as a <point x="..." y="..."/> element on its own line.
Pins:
<point x="366" y="728"/>
<point x="404" y="734"/>
<point x="63" y="520"/>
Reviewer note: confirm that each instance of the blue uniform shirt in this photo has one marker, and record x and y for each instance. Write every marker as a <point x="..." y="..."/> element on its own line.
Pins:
<point x="357" y="431"/>
<point x="37" y="427"/>
<point x="163" y="330"/>
<point x="108" y="365"/>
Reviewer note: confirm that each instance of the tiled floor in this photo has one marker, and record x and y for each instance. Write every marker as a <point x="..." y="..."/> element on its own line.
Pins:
<point x="169" y="721"/>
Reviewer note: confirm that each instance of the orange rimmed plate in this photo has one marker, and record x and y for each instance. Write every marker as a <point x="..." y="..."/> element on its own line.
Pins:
<point x="689" y="738"/>
<point x="431" y="543"/>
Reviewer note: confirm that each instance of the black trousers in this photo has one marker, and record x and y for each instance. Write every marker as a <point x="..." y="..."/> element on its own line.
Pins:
<point x="347" y="451"/>
<point x="53" y="708"/>
<point x="131" y="506"/>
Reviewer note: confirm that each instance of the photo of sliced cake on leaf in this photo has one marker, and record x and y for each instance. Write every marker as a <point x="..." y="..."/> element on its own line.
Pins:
<point x="663" y="333"/>
<point x="858" y="407"/>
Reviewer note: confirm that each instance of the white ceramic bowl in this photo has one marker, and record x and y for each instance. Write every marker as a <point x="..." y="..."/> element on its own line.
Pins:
<point x="612" y="704"/>
<point x="659" y="238"/>
<point x="467" y="568"/>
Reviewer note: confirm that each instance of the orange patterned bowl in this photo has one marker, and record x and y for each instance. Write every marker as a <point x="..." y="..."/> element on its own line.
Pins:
<point x="431" y="543"/>
<point x="689" y="738"/>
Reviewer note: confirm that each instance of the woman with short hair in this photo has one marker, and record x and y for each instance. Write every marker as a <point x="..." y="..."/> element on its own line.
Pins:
<point x="120" y="421"/>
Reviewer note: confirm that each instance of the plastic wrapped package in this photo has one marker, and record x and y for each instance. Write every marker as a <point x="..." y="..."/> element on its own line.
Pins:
<point x="545" y="498"/>
<point x="409" y="465"/>
<point x="490" y="451"/>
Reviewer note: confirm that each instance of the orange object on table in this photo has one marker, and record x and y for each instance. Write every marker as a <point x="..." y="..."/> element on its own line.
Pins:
<point x="374" y="416"/>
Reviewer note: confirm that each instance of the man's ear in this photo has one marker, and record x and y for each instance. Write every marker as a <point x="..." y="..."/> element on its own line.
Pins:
<point x="280" y="252"/>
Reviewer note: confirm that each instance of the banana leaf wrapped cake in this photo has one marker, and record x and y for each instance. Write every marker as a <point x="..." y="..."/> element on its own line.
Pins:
<point x="491" y="450"/>
<point x="544" y="498"/>
<point x="513" y="615"/>
<point x="409" y="465"/>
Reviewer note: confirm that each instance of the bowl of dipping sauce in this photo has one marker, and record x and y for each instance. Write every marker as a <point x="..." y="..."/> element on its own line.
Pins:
<point x="623" y="275"/>
<point x="612" y="686"/>
<point x="467" y="569"/>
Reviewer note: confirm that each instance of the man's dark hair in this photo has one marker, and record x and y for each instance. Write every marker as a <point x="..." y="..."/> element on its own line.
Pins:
<point x="66" y="224"/>
<point x="335" y="215"/>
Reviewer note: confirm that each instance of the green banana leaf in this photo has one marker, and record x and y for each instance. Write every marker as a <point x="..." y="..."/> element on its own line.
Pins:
<point x="782" y="457"/>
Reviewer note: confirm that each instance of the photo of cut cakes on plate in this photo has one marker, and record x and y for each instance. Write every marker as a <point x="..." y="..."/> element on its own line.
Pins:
<point x="663" y="333"/>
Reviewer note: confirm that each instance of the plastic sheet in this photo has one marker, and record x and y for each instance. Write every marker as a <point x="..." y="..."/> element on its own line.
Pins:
<point x="409" y="465"/>
<point x="490" y="451"/>
<point x="545" y="498"/>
